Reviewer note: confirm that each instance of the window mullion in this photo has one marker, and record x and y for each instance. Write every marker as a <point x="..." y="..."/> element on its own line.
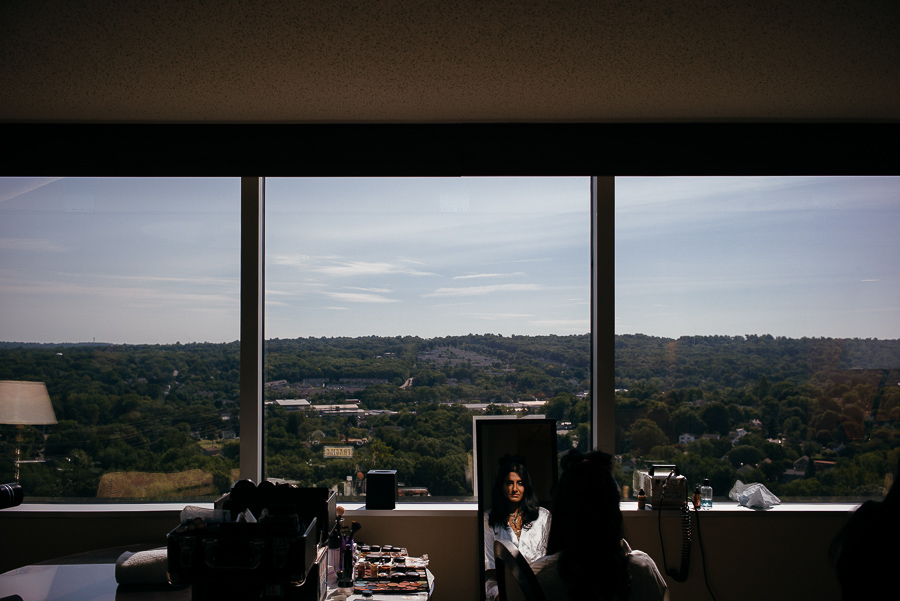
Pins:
<point x="603" y="331"/>
<point x="252" y="276"/>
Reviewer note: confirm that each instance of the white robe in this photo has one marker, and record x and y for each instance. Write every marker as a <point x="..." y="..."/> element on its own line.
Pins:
<point x="532" y="541"/>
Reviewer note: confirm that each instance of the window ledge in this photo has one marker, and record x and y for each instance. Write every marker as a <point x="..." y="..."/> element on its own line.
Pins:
<point x="732" y="508"/>
<point x="402" y="510"/>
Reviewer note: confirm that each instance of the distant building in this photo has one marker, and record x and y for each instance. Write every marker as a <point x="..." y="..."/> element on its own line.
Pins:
<point x="686" y="438"/>
<point x="291" y="404"/>
<point x="337" y="452"/>
<point x="514" y="406"/>
<point x="737" y="435"/>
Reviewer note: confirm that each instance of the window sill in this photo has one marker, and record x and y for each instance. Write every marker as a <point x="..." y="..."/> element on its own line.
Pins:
<point x="731" y="507"/>
<point x="402" y="509"/>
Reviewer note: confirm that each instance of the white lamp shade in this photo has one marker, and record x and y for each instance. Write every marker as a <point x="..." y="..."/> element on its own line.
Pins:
<point x="25" y="403"/>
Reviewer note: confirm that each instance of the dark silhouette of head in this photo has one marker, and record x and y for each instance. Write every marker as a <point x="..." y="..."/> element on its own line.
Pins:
<point x="500" y="504"/>
<point x="587" y="526"/>
<point x="865" y="552"/>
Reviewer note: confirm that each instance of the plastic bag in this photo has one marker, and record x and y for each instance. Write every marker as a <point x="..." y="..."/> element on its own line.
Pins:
<point x="754" y="495"/>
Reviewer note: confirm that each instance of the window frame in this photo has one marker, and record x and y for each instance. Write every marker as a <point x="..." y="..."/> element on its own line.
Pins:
<point x="451" y="149"/>
<point x="602" y="193"/>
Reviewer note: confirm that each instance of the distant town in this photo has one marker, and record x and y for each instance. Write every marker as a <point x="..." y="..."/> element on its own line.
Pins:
<point x="810" y="418"/>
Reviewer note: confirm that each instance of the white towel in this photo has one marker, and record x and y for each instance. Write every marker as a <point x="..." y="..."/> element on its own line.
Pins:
<point x="144" y="567"/>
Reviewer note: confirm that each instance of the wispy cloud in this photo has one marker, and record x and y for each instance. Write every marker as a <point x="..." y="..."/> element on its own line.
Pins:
<point x="482" y="290"/>
<point x="500" y="316"/>
<point x="375" y="290"/>
<point x="359" y="297"/>
<point x="30" y="245"/>
<point x="335" y="266"/>
<point x="365" y="268"/>
<point x="581" y="325"/>
<point x="18" y="186"/>
<point x="488" y="275"/>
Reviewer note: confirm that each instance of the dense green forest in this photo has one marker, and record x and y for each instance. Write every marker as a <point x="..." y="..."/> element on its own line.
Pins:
<point x="821" y="415"/>
<point x="811" y="418"/>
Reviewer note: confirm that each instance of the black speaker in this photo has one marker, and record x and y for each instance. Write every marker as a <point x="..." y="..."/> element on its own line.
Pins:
<point x="381" y="489"/>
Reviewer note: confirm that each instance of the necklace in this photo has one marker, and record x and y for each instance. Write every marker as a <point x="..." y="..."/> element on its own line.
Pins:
<point x="515" y="522"/>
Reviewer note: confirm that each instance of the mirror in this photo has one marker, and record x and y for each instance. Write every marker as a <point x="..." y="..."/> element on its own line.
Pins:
<point x="534" y="438"/>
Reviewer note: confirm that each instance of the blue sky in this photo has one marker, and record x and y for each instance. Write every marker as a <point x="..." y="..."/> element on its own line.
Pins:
<point x="157" y="260"/>
<point x="427" y="257"/>
<point x="792" y="257"/>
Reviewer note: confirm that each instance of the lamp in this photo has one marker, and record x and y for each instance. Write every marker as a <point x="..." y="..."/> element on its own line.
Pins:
<point x="24" y="404"/>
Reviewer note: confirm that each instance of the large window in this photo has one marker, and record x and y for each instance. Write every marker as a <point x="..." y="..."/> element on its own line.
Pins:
<point x="122" y="296"/>
<point x="195" y="232"/>
<point x="758" y="331"/>
<point x="397" y="309"/>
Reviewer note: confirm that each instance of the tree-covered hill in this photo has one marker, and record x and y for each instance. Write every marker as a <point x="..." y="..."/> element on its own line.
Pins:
<point x="721" y="407"/>
<point x="763" y="404"/>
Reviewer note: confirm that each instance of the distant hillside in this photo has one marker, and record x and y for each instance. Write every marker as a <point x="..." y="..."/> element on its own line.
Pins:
<point x="737" y="361"/>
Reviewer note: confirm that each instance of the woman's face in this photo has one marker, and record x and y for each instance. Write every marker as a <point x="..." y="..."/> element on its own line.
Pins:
<point x="515" y="488"/>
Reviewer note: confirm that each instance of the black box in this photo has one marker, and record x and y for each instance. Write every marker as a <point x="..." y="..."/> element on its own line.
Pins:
<point x="381" y="489"/>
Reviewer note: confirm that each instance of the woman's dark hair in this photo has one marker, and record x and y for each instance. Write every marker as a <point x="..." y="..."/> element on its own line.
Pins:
<point x="500" y="509"/>
<point x="587" y="526"/>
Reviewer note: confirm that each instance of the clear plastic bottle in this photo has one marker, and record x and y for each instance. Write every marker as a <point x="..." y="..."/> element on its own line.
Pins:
<point x="706" y="495"/>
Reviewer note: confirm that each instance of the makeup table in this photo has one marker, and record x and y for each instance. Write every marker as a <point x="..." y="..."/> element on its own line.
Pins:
<point x="92" y="577"/>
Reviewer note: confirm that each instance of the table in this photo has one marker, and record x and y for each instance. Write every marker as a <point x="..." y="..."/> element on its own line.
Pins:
<point x="92" y="577"/>
<point x="83" y="577"/>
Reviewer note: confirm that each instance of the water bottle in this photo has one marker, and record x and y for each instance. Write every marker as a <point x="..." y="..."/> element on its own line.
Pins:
<point x="706" y="495"/>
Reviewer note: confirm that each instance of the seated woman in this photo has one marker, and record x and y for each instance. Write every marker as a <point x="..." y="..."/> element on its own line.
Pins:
<point x="515" y="516"/>
<point x="588" y="556"/>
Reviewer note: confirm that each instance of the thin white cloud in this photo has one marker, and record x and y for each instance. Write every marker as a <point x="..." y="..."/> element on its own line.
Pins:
<point x="166" y="279"/>
<point x="482" y="290"/>
<point x="127" y="295"/>
<point x="18" y="186"/>
<point x="488" y="275"/>
<point x="579" y="324"/>
<point x="292" y="260"/>
<point x="356" y="297"/>
<point x="375" y="290"/>
<point x="365" y="268"/>
<point x="500" y="316"/>
<point x="30" y="244"/>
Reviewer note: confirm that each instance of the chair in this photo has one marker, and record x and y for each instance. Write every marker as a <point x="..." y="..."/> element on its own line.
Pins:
<point x="515" y="580"/>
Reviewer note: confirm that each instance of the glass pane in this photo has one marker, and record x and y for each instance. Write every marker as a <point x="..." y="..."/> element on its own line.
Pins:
<point x="757" y="331"/>
<point x="398" y="309"/>
<point x="122" y="295"/>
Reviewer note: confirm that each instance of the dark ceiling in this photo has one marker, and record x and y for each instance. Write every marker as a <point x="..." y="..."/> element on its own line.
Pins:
<point x="422" y="61"/>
